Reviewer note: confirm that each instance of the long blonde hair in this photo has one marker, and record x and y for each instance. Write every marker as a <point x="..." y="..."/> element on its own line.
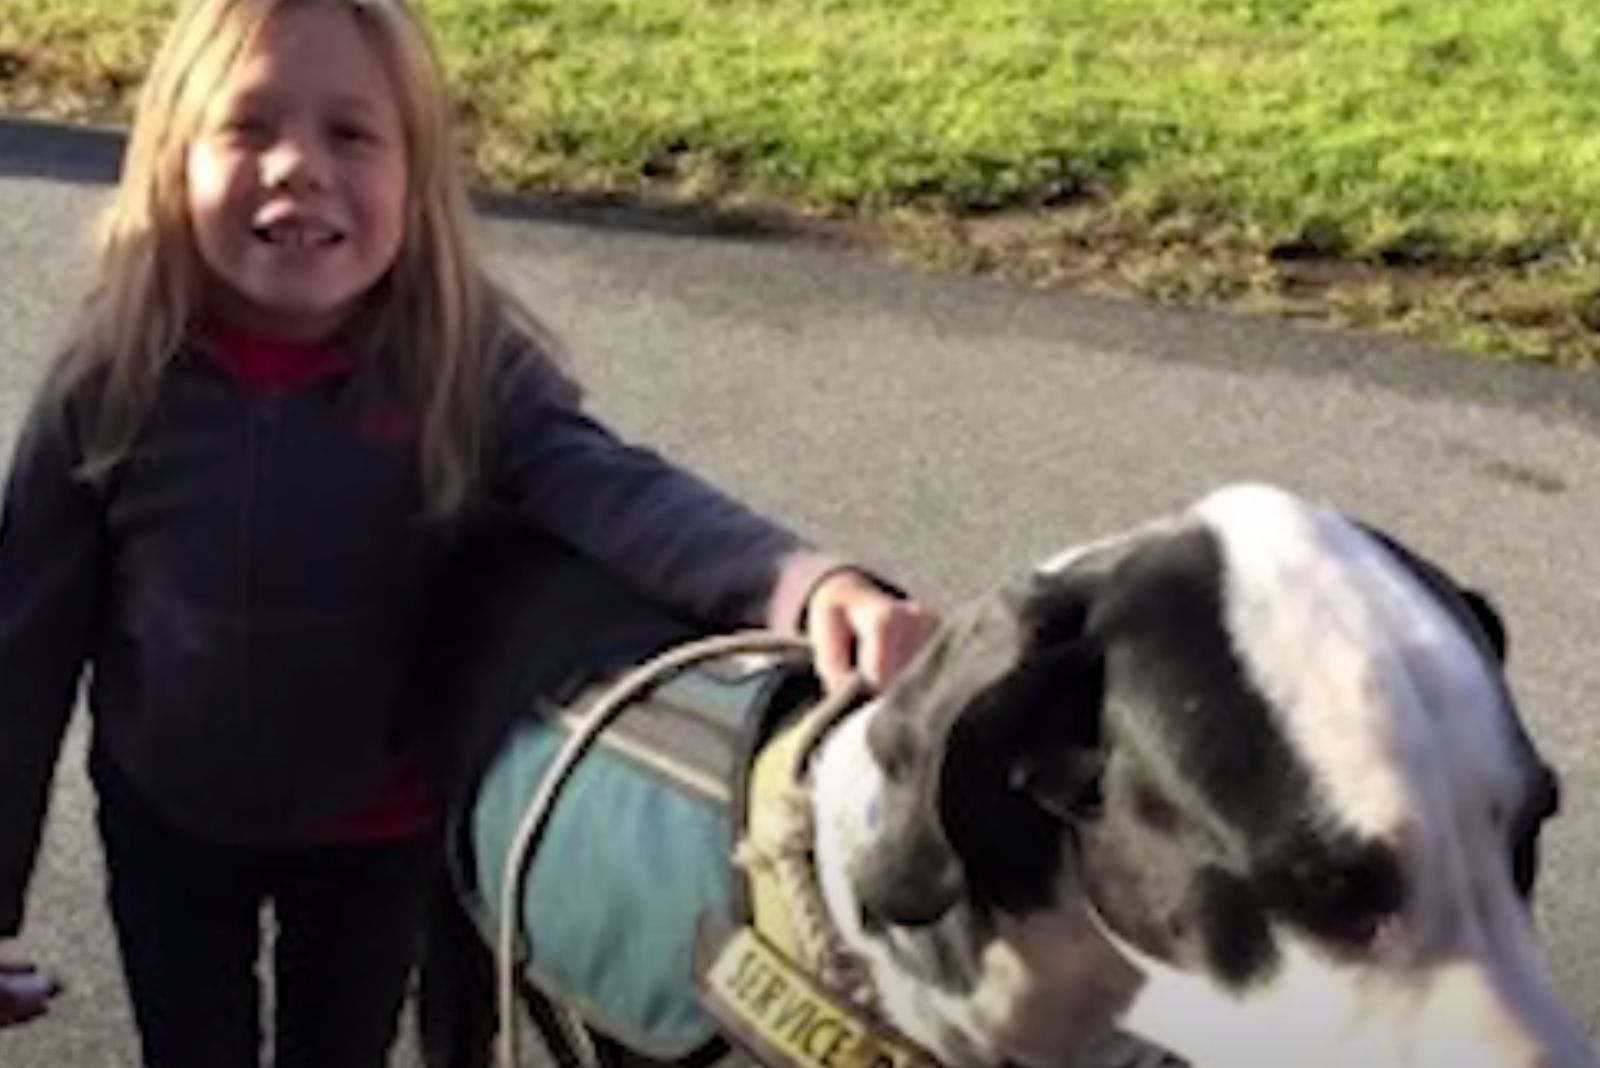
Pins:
<point x="434" y="316"/>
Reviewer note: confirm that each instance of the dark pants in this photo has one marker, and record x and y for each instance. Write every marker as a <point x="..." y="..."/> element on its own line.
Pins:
<point x="456" y="1013"/>
<point x="188" y="916"/>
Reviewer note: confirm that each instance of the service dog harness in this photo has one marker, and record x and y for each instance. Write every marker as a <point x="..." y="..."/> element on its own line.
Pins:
<point x="783" y="983"/>
<point x="645" y="897"/>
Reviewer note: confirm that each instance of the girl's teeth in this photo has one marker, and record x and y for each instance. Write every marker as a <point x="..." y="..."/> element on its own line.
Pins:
<point x="299" y="236"/>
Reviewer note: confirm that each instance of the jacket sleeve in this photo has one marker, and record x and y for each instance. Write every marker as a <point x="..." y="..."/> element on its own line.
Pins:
<point x="670" y="534"/>
<point x="51" y="565"/>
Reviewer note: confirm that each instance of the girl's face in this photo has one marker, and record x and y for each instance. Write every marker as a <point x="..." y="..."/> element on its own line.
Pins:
<point x="297" y="178"/>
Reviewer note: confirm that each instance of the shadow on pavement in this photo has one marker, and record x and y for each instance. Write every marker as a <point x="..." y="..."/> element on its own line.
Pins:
<point x="31" y="148"/>
<point x="90" y="155"/>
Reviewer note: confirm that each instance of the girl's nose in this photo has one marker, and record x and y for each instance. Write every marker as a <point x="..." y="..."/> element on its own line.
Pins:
<point x="297" y="159"/>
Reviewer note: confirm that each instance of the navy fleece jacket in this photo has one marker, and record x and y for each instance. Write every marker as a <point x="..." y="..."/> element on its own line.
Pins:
<point x="247" y="587"/>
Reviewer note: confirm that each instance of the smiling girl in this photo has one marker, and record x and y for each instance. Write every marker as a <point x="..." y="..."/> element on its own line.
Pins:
<point x="292" y="387"/>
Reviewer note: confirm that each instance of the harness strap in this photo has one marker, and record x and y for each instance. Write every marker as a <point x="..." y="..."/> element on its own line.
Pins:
<point x="786" y="985"/>
<point x="776" y="852"/>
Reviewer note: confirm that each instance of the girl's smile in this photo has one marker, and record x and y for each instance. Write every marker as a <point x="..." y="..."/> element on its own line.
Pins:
<point x="289" y="229"/>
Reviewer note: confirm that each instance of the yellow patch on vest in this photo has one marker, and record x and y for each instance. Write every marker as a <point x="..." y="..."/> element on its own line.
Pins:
<point x="763" y="999"/>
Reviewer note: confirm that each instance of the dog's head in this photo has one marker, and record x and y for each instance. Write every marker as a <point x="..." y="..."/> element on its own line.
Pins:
<point x="1272" y="754"/>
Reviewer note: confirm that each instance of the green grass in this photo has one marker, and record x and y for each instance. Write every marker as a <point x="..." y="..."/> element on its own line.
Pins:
<point x="1422" y="166"/>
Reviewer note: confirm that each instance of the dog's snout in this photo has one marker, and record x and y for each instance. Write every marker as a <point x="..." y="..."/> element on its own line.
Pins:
<point x="889" y="897"/>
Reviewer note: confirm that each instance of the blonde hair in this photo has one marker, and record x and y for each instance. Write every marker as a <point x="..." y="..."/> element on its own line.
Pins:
<point x="434" y="316"/>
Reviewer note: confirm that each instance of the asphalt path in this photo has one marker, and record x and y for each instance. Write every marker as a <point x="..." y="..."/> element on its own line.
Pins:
<point x="949" y="431"/>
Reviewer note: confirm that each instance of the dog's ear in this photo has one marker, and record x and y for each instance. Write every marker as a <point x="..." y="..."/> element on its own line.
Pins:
<point x="1489" y="622"/>
<point x="1542" y="800"/>
<point x="913" y="875"/>
<point x="1473" y="607"/>
<point x="983" y="742"/>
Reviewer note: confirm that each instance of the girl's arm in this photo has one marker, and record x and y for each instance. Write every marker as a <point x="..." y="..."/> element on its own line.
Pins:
<point x="672" y="535"/>
<point x="51" y="574"/>
<point x="680" y="540"/>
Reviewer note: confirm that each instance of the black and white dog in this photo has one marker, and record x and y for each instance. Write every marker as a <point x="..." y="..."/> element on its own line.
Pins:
<point x="1247" y="785"/>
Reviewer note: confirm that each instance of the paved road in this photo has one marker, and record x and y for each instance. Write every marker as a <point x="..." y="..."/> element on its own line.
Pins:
<point x="952" y="431"/>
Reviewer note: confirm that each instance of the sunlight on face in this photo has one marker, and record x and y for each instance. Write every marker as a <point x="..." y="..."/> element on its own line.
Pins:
<point x="297" y="178"/>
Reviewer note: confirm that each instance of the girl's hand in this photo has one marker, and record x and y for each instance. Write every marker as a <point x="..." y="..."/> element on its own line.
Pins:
<point x="25" y="993"/>
<point x="856" y="626"/>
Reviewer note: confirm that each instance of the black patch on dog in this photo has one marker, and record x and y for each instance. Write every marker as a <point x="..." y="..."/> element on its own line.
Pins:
<point x="1337" y="888"/>
<point x="1197" y="753"/>
<point x="1232" y="929"/>
<point x="1178" y="692"/>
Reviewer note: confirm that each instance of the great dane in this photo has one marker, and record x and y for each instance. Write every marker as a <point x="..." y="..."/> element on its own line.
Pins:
<point x="1245" y="786"/>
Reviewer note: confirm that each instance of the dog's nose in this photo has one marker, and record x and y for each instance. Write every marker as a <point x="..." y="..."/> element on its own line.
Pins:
<point x="908" y="885"/>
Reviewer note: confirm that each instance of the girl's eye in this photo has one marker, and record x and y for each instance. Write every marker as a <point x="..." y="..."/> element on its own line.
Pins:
<point x="350" y="133"/>
<point x="246" y="127"/>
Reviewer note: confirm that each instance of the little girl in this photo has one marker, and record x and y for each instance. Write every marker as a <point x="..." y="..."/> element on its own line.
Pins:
<point x="291" y="389"/>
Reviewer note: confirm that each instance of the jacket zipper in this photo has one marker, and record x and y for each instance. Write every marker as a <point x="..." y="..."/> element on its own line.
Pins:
<point x="263" y="417"/>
